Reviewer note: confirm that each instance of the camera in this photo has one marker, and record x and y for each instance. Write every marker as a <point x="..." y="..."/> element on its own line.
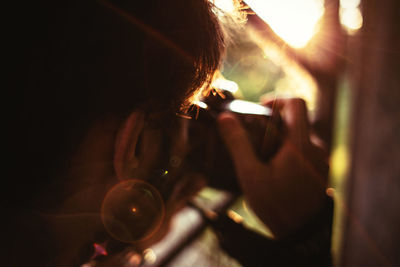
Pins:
<point x="209" y="155"/>
<point x="134" y="209"/>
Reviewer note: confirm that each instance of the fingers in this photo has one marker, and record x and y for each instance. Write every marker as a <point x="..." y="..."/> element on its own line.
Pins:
<point x="294" y="114"/>
<point x="294" y="110"/>
<point x="237" y="142"/>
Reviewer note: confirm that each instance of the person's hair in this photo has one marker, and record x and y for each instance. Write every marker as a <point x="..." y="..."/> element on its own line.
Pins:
<point x="85" y="59"/>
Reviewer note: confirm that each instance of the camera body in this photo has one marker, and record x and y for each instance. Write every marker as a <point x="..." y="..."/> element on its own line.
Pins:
<point x="209" y="155"/>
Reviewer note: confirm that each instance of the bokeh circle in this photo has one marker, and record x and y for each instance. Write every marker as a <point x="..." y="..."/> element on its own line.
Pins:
<point x="132" y="211"/>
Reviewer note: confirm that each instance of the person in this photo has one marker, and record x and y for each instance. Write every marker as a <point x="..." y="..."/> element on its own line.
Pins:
<point x="94" y="79"/>
<point x="101" y="84"/>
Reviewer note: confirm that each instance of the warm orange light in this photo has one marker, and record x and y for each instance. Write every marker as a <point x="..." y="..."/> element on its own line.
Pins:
<point x="134" y="210"/>
<point x="330" y="191"/>
<point x="234" y="216"/>
<point x="149" y="256"/>
<point x="293" y="20"/>
<point x="134" y="259"/>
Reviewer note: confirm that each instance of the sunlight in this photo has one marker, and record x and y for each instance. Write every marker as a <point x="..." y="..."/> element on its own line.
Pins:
<point x="225" y="5"/>
<point x="350" y="15"/>
<point x="225" y="85"/>
<point x="351" y="19"/>
<point x="349" y="3"/>
<point x="294" y="21"/>
<point x="296" y="82"/>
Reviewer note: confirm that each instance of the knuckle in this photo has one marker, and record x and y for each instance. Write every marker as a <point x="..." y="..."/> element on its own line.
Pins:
<point x="297" y="105"/>
<point x="297" y="101"/>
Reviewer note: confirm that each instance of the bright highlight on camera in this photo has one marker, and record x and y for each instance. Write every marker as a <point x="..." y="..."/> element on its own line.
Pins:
<point x="246" y="107"/>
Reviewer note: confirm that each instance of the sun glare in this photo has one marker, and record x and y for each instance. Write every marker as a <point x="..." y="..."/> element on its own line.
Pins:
<point x="350" y="3"/>
<point x="294" y="21"/>
<point x="350" y="15"/>
<point x="225" y="5"/>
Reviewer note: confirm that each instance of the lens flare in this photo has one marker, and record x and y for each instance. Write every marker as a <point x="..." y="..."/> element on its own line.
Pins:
<point x="132" y="211"/>
<point x="294" y="21"/>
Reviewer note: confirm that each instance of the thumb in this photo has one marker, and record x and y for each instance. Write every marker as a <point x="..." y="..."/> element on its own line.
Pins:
<point x="237" y="142"/>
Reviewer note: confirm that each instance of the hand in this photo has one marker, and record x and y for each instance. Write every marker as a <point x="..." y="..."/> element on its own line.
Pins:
<point x="289" y="189"/>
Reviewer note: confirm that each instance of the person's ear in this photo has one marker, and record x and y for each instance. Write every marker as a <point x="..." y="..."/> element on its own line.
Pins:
<point x="125" y="157"/>
<point x="136" y="148"/>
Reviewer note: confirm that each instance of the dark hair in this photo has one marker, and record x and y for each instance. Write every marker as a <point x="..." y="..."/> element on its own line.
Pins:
<point x="87" y="59"/>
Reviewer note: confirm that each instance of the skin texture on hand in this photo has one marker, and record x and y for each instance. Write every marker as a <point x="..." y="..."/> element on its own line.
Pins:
<point x="289" y="189"/>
